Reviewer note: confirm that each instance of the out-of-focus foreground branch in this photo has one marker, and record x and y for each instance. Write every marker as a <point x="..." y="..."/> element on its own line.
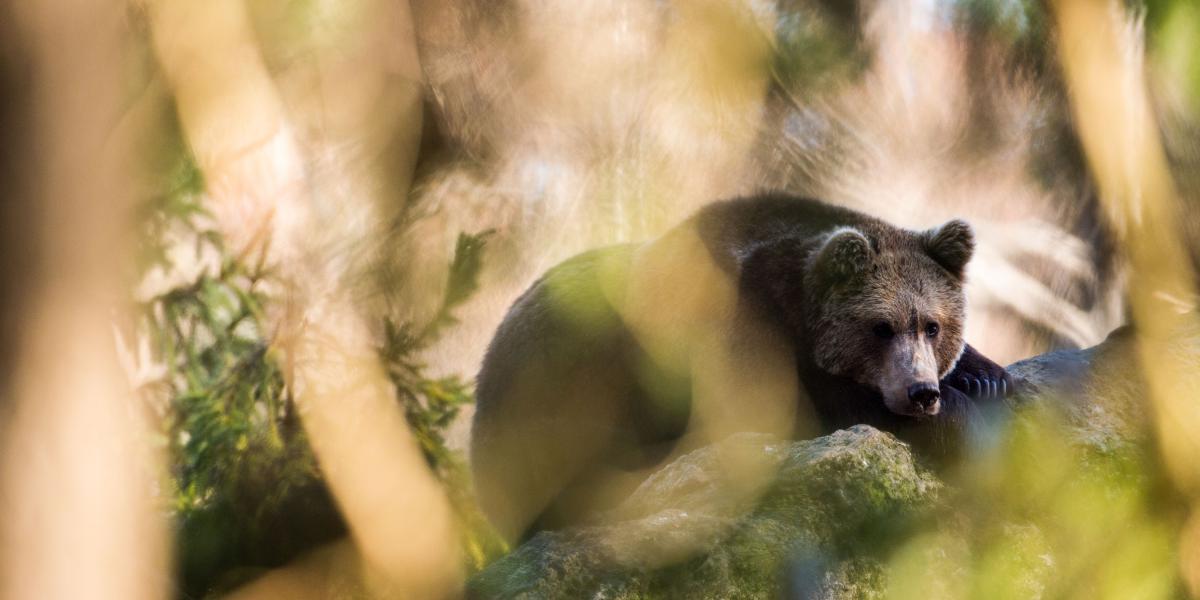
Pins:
<point x="1103" y="65"/>
<point x="274" y="190"/>
<point x="76" y="465"/>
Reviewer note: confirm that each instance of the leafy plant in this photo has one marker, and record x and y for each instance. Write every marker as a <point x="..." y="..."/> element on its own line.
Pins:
<point x="245" y="490"/>
<point x="431" y="405"/>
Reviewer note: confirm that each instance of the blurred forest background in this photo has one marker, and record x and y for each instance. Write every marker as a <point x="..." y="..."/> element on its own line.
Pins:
<point x="255" y="251"/>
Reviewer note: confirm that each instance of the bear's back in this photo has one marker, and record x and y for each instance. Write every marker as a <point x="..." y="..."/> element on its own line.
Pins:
<point x="731" y="229"/>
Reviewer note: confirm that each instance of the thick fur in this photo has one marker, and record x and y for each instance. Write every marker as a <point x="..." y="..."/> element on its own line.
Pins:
<point x="761" y="314"/>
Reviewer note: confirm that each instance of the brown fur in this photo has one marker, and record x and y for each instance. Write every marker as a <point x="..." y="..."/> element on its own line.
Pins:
<point x="893" y="277"/>
<point x="754" y="315"/>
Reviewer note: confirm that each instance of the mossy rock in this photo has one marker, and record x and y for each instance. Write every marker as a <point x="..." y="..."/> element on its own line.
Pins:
<point x="828" y="502"/>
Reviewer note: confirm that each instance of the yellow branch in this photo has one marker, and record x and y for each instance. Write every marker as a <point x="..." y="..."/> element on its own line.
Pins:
<point x="1102" y="57"/>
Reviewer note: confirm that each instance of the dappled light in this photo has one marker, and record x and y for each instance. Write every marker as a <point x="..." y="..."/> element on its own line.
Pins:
<point x="557" y="299"/>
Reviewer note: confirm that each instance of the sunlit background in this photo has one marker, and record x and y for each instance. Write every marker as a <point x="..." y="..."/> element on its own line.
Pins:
<point x="255" y="251"/>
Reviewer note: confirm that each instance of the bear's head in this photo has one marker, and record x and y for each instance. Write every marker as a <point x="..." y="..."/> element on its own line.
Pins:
<point x="877" y="304"/>
<point x="885" y="307"/>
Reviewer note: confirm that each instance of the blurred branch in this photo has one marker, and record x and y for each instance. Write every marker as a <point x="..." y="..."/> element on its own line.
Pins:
<point x="77" y="467"/>
<point x="267" y="195"/>
<point x="1101" y="52"/>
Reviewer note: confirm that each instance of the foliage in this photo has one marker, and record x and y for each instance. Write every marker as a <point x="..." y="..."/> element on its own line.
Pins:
<point x="244" y="487"/>
<point x="432" y="404"/>
<point x="245" y="490"/>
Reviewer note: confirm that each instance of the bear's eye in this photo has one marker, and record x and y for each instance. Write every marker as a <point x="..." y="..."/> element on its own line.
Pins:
<point x="932" y="329"/>
<point x="883" y="331"/>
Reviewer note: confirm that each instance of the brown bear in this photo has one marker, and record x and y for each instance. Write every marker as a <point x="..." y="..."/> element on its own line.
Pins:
<point x="772" y="313"/>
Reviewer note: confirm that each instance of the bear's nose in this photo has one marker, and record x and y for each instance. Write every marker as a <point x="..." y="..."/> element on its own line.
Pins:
<point x="924" y="395"/>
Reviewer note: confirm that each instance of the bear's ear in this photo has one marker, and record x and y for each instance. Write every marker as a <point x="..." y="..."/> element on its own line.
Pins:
<point x="951" y="245"/>
<point x="844" y="255"/>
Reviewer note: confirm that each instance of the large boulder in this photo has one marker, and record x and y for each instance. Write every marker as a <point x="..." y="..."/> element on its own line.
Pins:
<point x="693" y="531"/>
<point x="854" y="515"/>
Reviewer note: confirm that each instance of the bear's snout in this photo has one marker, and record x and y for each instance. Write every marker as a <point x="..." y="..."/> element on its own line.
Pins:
<point x="924" y="397"/>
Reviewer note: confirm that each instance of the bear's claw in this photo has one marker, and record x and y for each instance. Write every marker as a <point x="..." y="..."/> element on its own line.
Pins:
<point x="985" y="387"/>
<point x="980" y="378"/>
